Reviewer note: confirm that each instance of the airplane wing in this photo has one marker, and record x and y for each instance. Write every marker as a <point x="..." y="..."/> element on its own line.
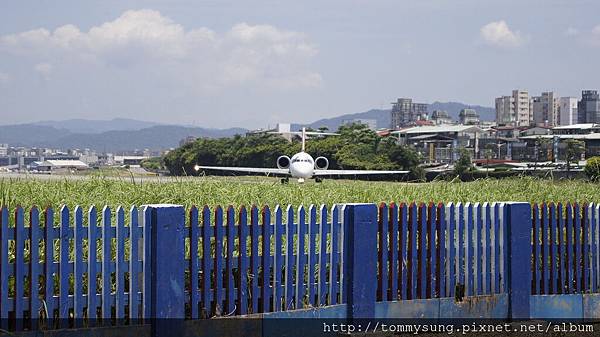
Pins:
<point x="354" y="172"/>
<point x="245" y="169"/>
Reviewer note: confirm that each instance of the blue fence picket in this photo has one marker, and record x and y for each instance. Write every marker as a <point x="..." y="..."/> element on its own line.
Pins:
<point x="596" y="246"/>
<point x="254" y="258"/>
<point x="147" y="268"/>
<point x="487" y="251"/>
<point x="382" y="254"/>
<point x="496" y="248"/>
<point x="4" y="270"/>
<point x="535" y="284"/>
<point x="312" y="259"/>
<point x="243" y="232"/>
<point x="422" y="253"/>
<point x="19" y="265"/>
<point x="278" y="259"/>
<point x="300" y="259"/>
<point x="545" y="249"/>
<point x="49" y="236"/>
<point x="121" y="268"/>
<point x="134" y="265"/>
<point x="395" y="271"/>
<point x="289" y="259"/>
<point x="218" y="262"/>
<point x="334" y="231"/>
<point x="194" y="264"/>
<point x="64" y="268"/>
<point x="207" y="262"/>
<point x="92" y="267"/>
<point x="577" y="248"/>
<point x="79" y="267"/>
<point x="469" y="256"/>
<point x="107" y="236"/>
<point x="323" y="282"/>
<point x="478" y="251"/>
<point x="403" y="257"/>
<point x="35" y="235"/>
<point x="451" y="250"/>
<point x="230" y="286"/>
<point x="412" y="252"/>
<point x="460" y="251"/>
<point x="554" y="258"/>
<point x="265" y="261"/>
<point x="585" y="245"/>
<point x="441" y="250"/>
<point x="431" y="251"/>
<point x="561" y="249"/>
<point x="595" y="256"/>
<point x="569" y="246"/>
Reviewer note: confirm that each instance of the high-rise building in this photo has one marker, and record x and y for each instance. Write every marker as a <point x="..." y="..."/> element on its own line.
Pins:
<point x="588" y="108"/>
<point x="567" y="109"/>
<point x="514" y="110"/>
<point x="545" y="109"/>
<point x="405" y="112"/>
<point x="468" y="117"/>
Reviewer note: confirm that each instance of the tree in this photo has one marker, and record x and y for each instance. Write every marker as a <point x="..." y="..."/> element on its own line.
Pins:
<point x="463" y="164"/>
<point x="592" y="168"/>
<point x="541" y="144"/>
<point x="573" y="151"/>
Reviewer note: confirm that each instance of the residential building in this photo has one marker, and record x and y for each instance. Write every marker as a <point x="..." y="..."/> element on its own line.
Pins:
<point x="514" y="109"/>
<point x="3" y="150"/>
<point x="545" y="109"/>
<point x="567" y="109"/>
<point x="405" y="112"/>
<point x="588" y="108"/>
<point x="439" y="117"/>
<point x="468" y="117"/>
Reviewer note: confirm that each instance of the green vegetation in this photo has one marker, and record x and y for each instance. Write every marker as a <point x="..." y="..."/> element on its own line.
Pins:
<point x="261" y="191"/>
<point x="592" y="168"/>
<point x="357" y="147"/>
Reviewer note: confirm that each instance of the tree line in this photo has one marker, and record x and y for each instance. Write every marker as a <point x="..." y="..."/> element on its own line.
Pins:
<point x="357" y="147"/>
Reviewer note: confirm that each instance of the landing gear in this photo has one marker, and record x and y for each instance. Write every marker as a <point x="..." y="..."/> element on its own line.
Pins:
<point x="285" y="180"/>
<point x="318" y="180"/>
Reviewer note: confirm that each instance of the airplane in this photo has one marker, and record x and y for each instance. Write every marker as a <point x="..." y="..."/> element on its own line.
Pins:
<point x="301" y="166"/>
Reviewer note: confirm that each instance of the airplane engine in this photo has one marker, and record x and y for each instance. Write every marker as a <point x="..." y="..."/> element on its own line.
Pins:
<point x="321" y="163"/>
<point x="283" y="162"/>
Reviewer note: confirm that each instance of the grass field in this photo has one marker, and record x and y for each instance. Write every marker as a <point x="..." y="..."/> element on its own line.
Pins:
<point x="268" y="191"/>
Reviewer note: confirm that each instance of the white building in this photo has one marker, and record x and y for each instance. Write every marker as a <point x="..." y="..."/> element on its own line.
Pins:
<point x="514" y="110"/>
<point x="3" y="150"/>
<point x="545" y="109"/>
<point x="568" y="110"/>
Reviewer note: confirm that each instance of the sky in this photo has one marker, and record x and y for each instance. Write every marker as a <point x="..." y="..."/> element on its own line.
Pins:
<point x="255" y="63"/>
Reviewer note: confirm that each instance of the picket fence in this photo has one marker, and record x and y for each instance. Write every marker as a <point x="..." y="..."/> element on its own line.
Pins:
<point x="113" y="268"/>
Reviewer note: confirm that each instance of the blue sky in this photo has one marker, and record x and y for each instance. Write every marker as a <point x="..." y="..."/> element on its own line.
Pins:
<point x="256" y="63"/>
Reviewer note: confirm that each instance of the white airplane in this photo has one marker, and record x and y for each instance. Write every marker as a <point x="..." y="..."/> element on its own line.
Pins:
<point x="301" y="166"/>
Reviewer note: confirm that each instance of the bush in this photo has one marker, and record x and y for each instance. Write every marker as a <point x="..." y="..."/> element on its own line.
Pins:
<point x="592" y="168"/>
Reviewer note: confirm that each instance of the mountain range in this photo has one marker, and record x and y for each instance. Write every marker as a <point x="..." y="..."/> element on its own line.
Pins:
<point x="122" y="134"/>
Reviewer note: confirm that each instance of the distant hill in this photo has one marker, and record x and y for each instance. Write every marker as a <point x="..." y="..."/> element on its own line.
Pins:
<point x="97" y="126"/>
<point x="158" y="137"/>
<point x="128" y="134"/>
<point x="383" y="116"/>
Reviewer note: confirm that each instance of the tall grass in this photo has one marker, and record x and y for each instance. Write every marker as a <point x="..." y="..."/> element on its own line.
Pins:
<point x="267" y="191"/>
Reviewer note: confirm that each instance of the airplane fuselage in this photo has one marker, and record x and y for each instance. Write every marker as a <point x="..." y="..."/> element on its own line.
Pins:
<point x="302" y="166"/>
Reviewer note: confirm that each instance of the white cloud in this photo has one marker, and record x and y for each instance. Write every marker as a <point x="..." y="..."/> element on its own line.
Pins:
<point x="44" y="69"/>
<point x="246" y="54"/>
<point x="498" y="34"/>
<point x="571" y="31"/>
<point x="594" y="38"/>
<point x="4" y="78"/>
